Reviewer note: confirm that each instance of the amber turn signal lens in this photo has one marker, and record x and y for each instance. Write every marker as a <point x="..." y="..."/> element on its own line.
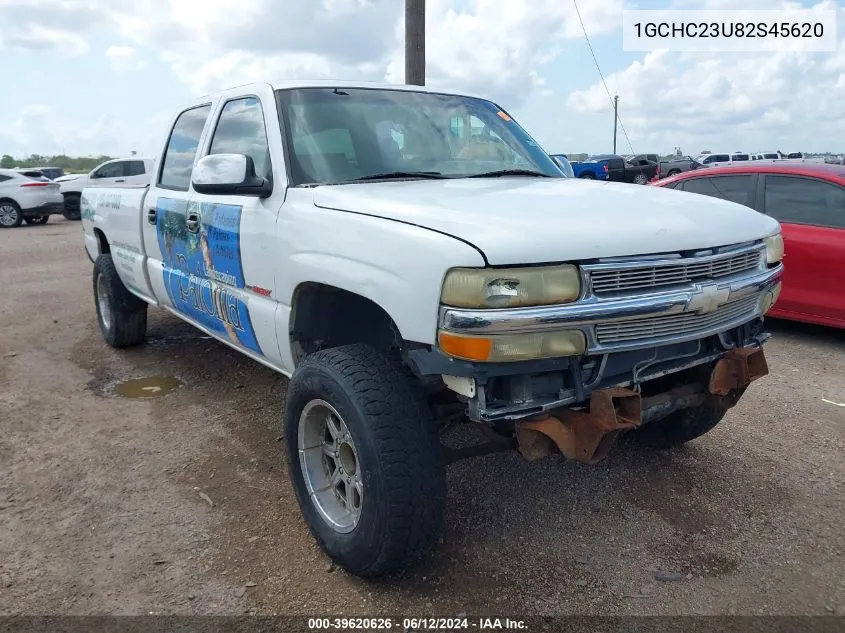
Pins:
<point x="466" y="347"/>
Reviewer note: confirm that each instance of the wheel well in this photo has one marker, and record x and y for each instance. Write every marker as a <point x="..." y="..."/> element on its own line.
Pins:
<point x="9" y="200"/>
<point x="102" y="242"/>
<point x="72" y="193"/>
<point x="325" y="316"/>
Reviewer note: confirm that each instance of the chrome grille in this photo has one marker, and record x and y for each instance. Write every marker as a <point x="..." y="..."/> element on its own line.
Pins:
<point x="684" y="271"/>
<point x="674" y="324"/>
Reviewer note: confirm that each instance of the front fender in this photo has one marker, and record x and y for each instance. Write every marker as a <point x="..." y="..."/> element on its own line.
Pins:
<point x="398" y="266"/>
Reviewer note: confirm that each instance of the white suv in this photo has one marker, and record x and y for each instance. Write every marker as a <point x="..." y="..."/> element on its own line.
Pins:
<point x="32" y="198"/>
<point x="719" y="160"/>
<point x="121" y="172"/>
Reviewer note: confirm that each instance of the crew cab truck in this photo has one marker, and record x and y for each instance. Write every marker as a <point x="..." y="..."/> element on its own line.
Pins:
<point x="126" y="172"/>
<point x="412" y="258"/>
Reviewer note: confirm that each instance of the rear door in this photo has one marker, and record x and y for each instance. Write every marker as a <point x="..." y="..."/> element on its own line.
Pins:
<point x="812" y="216"/>
<point x="135" y="173"/>
<point x="171" y="254"/>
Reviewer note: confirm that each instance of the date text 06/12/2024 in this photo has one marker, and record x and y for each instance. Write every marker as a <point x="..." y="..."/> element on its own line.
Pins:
<point x="804" y="30"/>
<point x="416" y="624"/>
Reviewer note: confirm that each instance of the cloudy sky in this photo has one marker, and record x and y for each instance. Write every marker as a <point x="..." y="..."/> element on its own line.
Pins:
<point x="103" y="76"/>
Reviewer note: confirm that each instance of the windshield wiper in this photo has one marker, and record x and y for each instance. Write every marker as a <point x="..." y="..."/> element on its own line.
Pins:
<point x="400" y="175"/>
<point x="510" y="172"/>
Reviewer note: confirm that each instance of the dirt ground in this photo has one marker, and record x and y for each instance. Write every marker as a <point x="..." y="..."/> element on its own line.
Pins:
<point x="181" y="504"/>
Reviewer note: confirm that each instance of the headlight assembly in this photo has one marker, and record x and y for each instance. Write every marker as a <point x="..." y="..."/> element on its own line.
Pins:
<point x="511" y="287"/>
<point x="774" y="248"/>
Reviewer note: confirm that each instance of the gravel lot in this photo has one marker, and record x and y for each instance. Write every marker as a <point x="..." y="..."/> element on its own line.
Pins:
<point x="181" y="504"/>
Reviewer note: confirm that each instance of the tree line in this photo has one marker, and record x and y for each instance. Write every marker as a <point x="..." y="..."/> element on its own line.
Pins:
<point x="71" y="164"/>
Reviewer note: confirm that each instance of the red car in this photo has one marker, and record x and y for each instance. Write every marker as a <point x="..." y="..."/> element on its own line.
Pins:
<point x="808" y="199"/>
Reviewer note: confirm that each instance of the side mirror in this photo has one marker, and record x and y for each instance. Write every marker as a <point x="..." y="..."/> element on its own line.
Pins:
<point x="229" y="175"/>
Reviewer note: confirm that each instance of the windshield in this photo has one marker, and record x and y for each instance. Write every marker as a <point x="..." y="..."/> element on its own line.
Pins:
<point x="337" y="136"/>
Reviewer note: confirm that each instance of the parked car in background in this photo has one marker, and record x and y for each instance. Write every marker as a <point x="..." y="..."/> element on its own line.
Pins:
<point x="27" y="198"/>
<point x="564" y="164"/>
<point x="720" y="160"/>
<point x="591" y="169"/>
<point x="120" y="172"/>
<point x="621" y="170"/>
<point x="615" y="168"/>
<point x="667" y="167"/>
<point x="768" y="156"/>
<point x="809" y="201"/>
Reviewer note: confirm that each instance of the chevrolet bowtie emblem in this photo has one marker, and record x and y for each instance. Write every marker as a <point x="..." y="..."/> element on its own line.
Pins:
<point x="708" y="299"/>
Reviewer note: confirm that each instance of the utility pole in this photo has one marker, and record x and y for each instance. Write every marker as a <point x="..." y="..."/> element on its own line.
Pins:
<point x="615" y="119"/>
<point x="415" y="42"/>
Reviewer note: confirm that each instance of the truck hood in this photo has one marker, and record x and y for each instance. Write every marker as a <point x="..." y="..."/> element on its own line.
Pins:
<point x="518" y="220"/>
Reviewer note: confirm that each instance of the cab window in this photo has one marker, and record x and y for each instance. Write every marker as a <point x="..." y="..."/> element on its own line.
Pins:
<point x="111" y="170"/>
<point x="182" y="149"/>
<point x="241" y="130"/>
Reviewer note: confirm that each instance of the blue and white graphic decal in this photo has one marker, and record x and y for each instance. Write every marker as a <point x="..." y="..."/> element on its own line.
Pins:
<point x="201" y="268"/>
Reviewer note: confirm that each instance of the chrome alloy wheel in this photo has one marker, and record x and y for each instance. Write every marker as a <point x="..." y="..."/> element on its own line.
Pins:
<point x="8" y="214"/>
<point x="329" y="464"/>
<point x="103" y="301"/>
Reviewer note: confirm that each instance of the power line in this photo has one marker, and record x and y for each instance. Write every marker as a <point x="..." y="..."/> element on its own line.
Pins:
<point x="601" y="74"/>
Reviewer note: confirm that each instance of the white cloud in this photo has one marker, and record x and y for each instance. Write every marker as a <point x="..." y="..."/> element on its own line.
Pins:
<point x="756" y="99"/>
<point x="124" y="58"/>
<point x="35" y="37"/>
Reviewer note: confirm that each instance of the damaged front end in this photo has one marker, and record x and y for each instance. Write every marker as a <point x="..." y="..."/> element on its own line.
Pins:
<point x="587" y="435"/>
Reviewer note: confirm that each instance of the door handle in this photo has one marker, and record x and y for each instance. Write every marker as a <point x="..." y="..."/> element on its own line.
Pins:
<point x="120" y="180"/>
<point x="151" y="215"/>
<point x="192" y="222"/>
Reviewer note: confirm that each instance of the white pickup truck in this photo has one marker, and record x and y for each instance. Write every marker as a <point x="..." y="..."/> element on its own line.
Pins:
<point x="411" y="258"/>
<point x="119" y="172"/>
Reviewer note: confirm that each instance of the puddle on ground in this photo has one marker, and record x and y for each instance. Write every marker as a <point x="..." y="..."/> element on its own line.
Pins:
<point x="149" y="387"/>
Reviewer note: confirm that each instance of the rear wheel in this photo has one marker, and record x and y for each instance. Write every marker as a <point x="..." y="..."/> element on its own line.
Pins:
<point x="122" y="316"/>
<point x="588" y="176"/>
<point x="365" y="459"/>
<point x="38" y="219"/>
<point x="10" y="214"/>
<point x="72" y="210"/>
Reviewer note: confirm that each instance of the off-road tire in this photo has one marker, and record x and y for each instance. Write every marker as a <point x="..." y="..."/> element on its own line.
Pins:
<point x="72" y="210"/>
<point x="400" y="458"/>
<point x="679" y="427"/>
<point x="37" y="219"/>
<point x="125" y="324"/>
<point x="15" y="207"/>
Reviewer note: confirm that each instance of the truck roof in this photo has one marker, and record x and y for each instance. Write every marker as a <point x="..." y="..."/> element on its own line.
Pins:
<point x="289" y="84"/>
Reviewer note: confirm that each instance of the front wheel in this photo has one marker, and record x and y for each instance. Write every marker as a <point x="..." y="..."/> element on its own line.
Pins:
<point x="38" y="219"/>
<point x="365" y="459"/>
<point x="72" y="209"/>
<point x="122" y="316"/>
<point x="680" y="427"/>
<point x="673" y="172"/>
<point x="640" y="179"/>
<point x="10" y="214"/>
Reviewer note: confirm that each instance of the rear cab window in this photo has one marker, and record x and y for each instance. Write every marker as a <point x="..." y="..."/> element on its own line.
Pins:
<point x="800" y="200"/>
<point x="181" y="151"/>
